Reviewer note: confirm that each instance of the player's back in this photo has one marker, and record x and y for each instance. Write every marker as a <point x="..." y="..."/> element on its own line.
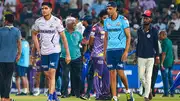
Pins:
<point x="8" y="43"/>
<point x="116" y="35"/>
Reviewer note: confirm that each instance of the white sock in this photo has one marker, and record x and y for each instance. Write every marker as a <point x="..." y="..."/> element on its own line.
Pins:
<point x="115" y="97"/>
<point x="128" y="91"/>
<point x="25" y="90"/>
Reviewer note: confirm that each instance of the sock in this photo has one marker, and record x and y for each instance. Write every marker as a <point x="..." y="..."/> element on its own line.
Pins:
<point x="25" y="90"/>
<point x="128" y="91"/>
<point x="50" y="97"/>
<point x="115" y="97"/>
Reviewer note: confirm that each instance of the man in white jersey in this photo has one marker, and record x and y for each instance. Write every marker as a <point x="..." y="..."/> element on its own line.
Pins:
<point x="50" y="28"/>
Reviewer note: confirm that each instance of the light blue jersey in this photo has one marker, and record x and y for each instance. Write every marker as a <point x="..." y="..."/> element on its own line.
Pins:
<point x="24" y="59"/>
<point x="116" y="34"/>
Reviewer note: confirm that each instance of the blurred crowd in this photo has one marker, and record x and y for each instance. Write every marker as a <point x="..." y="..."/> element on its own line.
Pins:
<point x="166" y="13"/>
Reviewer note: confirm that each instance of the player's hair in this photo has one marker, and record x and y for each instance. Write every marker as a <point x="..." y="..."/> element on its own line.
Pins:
<point x="102" y="13"/>
<point x="75" y="15"/>
<point x="70" y="20"/>
<point x="23" y="34"/>
<point x="47" y="4"/>
<point x="9" y="18"/>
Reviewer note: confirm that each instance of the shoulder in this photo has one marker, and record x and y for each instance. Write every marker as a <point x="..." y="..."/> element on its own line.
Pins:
<point x="56" y="19"/>
<point x="39" y="20"/>
<point x="121" y="17"/>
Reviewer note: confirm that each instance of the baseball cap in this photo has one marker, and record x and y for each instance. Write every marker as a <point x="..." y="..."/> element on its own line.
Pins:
<point x="47" y="4"/>
<point x="112" y="4"/>
<point x="147" y="13"/>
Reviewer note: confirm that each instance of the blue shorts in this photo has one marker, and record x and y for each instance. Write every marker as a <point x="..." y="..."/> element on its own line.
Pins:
<point x="21" y="71"/>
<point x="113" y="58"/>
<point x="50" y="61"/>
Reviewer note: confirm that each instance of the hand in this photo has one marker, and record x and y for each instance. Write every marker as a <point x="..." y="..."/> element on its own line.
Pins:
<point x="124" y="57"/>
<point x="157" y="61"/>
<point x="105" y="59"/>
<point x="162" y="67"/>
<point x="135" y="61"/>
<point x="39" y="52"/>
<point x="68" y="59"/>
<point x="18" y="57"/>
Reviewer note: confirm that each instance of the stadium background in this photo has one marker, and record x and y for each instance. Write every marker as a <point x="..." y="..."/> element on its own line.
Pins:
<point x="27" y="11"/>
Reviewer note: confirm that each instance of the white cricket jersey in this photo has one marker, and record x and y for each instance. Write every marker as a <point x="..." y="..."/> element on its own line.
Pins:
<point x="49" y="32"/>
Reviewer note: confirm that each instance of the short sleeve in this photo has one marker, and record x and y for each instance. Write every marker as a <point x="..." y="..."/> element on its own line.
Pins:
<point x="35" y="27"/>
<point x="105" y="25"/>
<point x="164" y="48"/>
<point x="18" y="37"/>
<point x="125" y="23"/>
<point x="60" y="27"/>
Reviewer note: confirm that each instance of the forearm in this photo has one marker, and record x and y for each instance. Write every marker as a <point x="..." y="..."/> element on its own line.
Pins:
<point x="36" y="42"/>
<point x="163" y="58"/>
<point x="64" y="40"/>
<point x="19" y="46"/>
<point x="128" y="41"/>
<point x="105" y="43"/>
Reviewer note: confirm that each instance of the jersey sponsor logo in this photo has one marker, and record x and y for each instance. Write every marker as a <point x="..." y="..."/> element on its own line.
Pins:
<point x="47" y="31"/>
<point x="113" y="29"/>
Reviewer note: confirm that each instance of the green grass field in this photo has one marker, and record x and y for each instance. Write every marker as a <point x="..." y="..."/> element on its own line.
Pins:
<point x="122" y="98"/>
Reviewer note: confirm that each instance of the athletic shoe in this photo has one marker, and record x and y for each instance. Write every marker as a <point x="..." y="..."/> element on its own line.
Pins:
<point x="150" y="96"/>
<point x="129" y="96"/>
<point x="146" y="99"/>
<point x="55" y="97"/>
<point x="85" y="97"/>
<point x="46" y="92"/>
<point x="114" y="99"/>
<point x="50" y="97"/>
<point x="58" y="93"/>
<point x="36" y="93"/>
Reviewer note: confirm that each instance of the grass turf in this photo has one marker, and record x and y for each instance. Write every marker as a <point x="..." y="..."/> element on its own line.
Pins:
<point x="121" y="98"/>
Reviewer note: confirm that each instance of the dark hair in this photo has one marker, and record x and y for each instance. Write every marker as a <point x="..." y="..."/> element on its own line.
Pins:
<point x="47" y="4"/>
<point x="9" y="18"/>
<point x="75" y="15"/>
<point x="23" y="34"/>
<point x="102" y="13"/>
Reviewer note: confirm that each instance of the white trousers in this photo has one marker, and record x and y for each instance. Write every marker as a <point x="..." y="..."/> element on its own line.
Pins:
<point x="145" y="68"/>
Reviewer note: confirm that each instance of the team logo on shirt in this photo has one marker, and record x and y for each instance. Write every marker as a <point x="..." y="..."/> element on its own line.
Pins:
<point x="118" y="24"/>
<point x="148" y="36"/>
<point x="108" y="24"/>
<point x="51" y="26"/>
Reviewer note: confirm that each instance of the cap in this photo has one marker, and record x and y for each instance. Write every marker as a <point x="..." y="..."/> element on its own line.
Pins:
<point x="47" y="4"/>
<point x="86" y="18"/>
<point x="112" y="4"/>
<point x="147" y="13"/>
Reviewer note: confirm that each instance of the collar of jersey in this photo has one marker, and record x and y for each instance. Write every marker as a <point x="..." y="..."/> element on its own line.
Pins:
<point x="9" y="26"/>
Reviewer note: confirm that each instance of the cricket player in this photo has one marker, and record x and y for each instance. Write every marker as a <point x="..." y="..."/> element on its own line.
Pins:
<point x="50" y="29"/>
<point x="22" y="66"/>
<point x="101" y="73"/>
<point x="116" y="46"/>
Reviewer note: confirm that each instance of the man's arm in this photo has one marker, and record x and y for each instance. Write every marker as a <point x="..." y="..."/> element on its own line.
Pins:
<point x="19" y="49"/>
<point x="64" y="40"/>
<point x="105" y="44"/>
<point x="163" y="58"/>
<point x="128" y="39"/>
<point x="36" y="42"/>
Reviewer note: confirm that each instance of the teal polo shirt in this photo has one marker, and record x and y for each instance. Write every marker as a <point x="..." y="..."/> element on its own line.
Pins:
<point x="74" y="39"/>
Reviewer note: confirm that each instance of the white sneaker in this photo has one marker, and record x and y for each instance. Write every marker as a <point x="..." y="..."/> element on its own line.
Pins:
<point x="36" y="93"/>
<point x="46" y="92"/>
<point x="58" y="93"/>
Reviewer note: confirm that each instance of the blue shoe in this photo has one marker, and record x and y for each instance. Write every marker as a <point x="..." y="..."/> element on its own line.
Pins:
<point x="55" y="97"/>
<point x="50" y="97"/>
